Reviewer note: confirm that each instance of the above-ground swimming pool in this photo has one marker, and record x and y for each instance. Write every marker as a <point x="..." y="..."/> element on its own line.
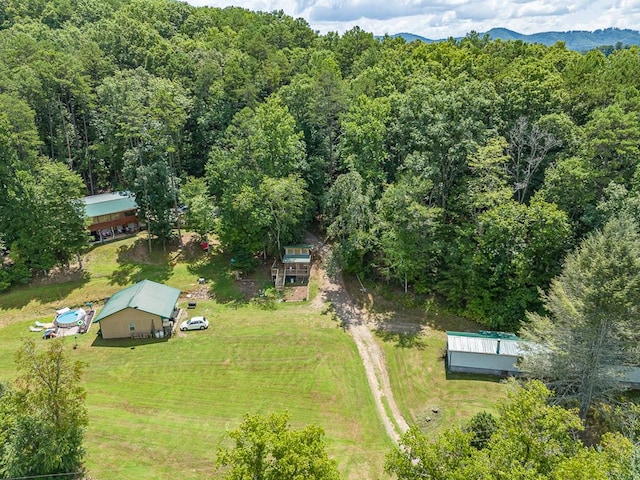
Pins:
<point x="71" y="318"/>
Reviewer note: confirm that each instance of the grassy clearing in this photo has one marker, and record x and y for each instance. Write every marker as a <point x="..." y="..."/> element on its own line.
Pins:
<point x="160" y="409"/>
<point x="110" y="267"/>
<point x="427" y="395"/>
<point x="172" y="401"/>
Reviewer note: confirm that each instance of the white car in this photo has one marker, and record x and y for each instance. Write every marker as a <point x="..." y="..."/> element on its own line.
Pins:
<point x="195" y="323"/>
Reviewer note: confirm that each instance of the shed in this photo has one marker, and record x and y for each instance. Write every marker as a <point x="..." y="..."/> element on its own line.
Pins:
<point x="492" y="353"/>
<point x="140" y="310"/>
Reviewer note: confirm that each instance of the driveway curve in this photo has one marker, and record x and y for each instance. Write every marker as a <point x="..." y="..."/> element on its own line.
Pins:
<point x="356" y="320"/>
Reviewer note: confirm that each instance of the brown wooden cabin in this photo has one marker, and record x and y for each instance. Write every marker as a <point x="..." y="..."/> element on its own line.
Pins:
<point x="111" y="214"/>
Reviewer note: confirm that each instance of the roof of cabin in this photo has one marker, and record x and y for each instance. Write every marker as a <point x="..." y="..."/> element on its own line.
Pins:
<point x="148" y="296"/>
<point x="106" y="203"/>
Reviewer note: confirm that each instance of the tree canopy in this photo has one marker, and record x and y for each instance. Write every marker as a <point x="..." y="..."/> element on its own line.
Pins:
<point x="43" y="415"/>
<point x="530" y="439"/>
<point x="267" y="448"/>
<point x="446" y="138"/>
<point x="590" y="336"/>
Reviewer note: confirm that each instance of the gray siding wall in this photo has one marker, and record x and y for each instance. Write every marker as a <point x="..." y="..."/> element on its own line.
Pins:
<point x="481" y="363"/>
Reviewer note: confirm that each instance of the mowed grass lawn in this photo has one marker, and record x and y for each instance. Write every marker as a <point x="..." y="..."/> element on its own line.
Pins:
<point x="161" y="409"/>
<point x="425" y="392"/>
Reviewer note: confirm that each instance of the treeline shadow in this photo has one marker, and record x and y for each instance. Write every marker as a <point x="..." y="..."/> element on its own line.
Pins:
<point x="136" y="263"/>
<point x="215" y="267"/>
<point x="402" y="339"/>
<point x="394" y="306"/>
<point x="474" y="377"/>
<point x="21" y="295"/>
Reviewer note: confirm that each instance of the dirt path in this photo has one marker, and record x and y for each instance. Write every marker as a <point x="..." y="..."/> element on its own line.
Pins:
<point x="356" y="321"/>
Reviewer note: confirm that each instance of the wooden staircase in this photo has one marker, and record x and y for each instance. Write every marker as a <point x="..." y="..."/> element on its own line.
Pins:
<point x="278" y="274"/>
<point x="279" y="282"/>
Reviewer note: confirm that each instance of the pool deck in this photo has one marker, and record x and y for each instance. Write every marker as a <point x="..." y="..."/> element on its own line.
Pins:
<point x="77" y="329"/>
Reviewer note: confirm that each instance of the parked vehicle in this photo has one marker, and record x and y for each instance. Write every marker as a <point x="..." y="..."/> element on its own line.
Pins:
<point x="195" y="323"/>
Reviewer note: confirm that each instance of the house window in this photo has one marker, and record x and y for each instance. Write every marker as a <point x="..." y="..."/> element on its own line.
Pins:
<point x="132" y="327"/>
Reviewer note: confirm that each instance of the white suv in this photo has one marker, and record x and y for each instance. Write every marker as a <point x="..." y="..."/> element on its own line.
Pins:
<point x="195" y="323"/>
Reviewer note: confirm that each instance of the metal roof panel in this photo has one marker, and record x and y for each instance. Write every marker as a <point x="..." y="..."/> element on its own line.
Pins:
<point x="483" y="344"/>
<point x="106" y="203"/>
<point x="148" y="296"/>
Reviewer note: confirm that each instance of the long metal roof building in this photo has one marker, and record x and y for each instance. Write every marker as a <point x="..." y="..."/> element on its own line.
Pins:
<point x="483" y="352"/>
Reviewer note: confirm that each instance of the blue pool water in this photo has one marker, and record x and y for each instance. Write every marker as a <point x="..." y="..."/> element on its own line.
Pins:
<point x="70" y="318"/>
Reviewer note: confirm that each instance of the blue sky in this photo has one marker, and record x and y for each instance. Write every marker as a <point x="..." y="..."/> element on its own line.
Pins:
<point x="444" y="18"/>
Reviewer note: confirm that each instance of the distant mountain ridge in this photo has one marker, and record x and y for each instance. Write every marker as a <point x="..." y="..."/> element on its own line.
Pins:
<point x="580" y="40"/>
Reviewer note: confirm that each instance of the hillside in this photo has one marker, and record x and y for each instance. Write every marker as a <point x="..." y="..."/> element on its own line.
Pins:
<point x="578" y="40"/>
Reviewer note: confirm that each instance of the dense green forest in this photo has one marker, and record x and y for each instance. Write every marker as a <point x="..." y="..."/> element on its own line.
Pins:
<point x="464" y="169"/>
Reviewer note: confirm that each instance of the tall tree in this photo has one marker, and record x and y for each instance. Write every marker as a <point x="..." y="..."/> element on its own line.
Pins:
<point x="44" y="416"/>
<point x="140" y="115"/>
<point x="362" y="143"/>
<point x="259" y="142"/>
<point x="315" y="99"/>
<point x="488" y="183"/>
<point x="349" y="212"/>
<point x="156" y="187"/>
<point x="351" y="46"/>
<point x="288" y="206"/>
<point x="200" y="209"/>
<point x="51" y="229"/>
<point x="18" y="143"/>
<point x="436" y="126"/>
<point x="612" y="144"/>
<point x="528" y="148"/>
<point x="409" y="234"/>
<point x="572" y="184"/>
<point x="243" y="228"/>
<point x="517" y="251"/>
<point x="591" y="332"/>
<point x="267" y="448"/>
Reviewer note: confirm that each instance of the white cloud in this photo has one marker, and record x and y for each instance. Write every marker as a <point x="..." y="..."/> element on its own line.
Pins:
<point x="444" y="18"/>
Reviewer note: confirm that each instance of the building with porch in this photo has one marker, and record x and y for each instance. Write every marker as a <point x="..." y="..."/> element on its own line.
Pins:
<point x="295" y="266"/>
<point x="140" y="311"/>
<point x="111" y="214"/>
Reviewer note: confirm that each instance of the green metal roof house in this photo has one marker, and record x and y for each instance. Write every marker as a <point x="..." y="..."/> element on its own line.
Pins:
<point x="138" y="311"/>
<point x="111" y="212"/>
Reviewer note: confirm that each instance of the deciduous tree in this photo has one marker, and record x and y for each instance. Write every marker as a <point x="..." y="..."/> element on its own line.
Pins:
<point x="200" y="209"/>
<point x="528" y="148"/>
<point x="409" y="234"/>
<point x="349" y="211"/>
<point x="267" y="448"/>
<point x="517" y="252"/>
<point x="530" y="440"/>
<point x="51" y="229"/>
<point x="43" y="416"/>
<point x="287" y="204"/>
